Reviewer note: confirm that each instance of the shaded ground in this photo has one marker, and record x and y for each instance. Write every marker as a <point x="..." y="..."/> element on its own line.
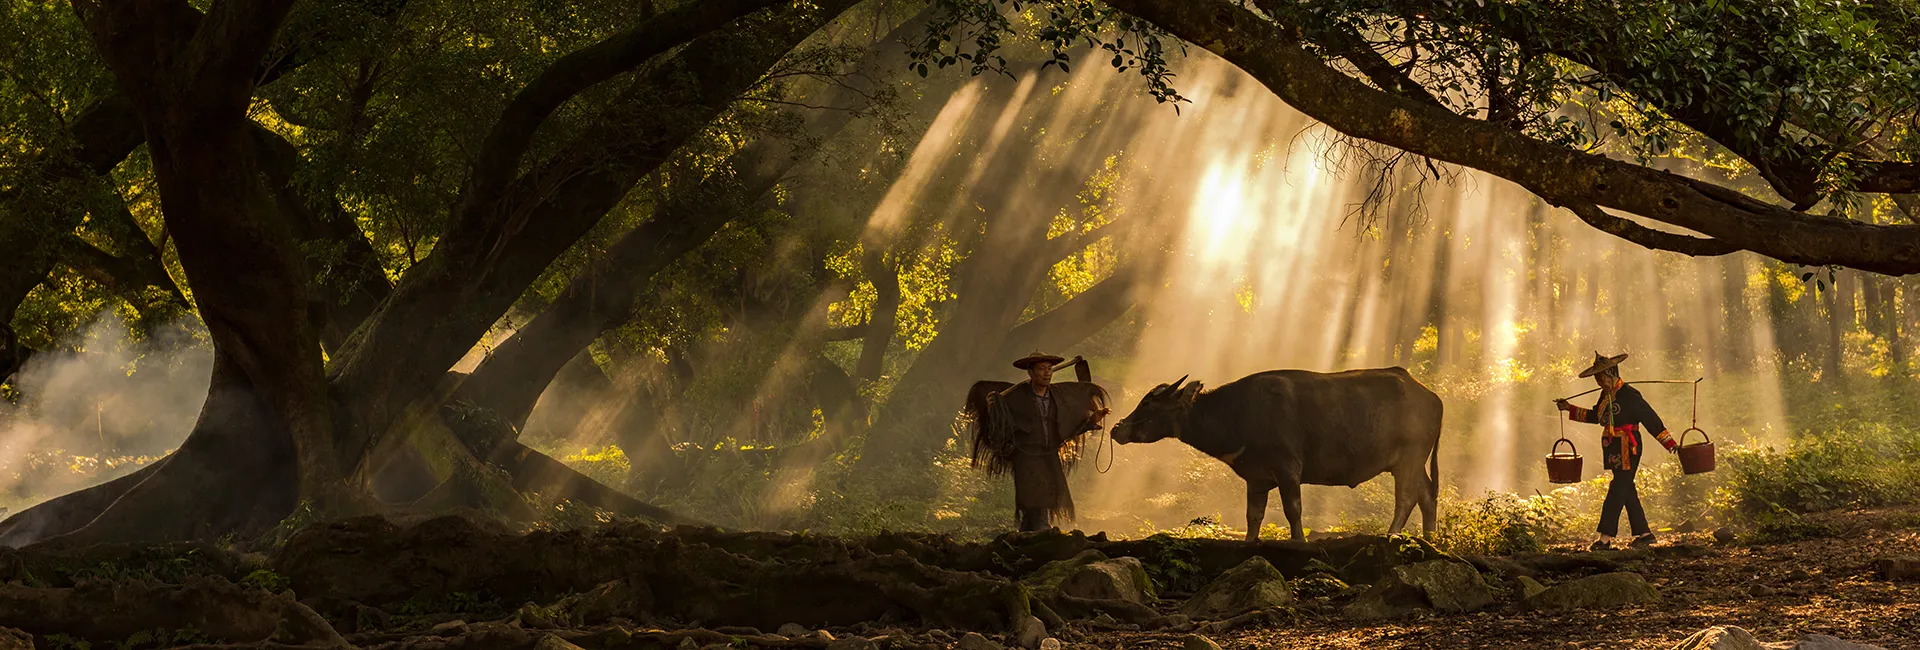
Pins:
<point x="452" y="583"/>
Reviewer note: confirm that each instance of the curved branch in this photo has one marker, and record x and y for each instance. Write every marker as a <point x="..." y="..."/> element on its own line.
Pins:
<point x="1648" y="237"/>
<point x="576" y="72"/>
<point x="1563" y="177"/>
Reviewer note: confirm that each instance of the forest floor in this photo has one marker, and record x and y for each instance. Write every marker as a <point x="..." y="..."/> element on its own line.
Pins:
<point x="1827" y="584"/>
<point x="450" y="583"/>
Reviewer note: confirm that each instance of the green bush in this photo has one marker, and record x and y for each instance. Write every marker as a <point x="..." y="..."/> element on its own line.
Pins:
<point x="1861" y="465"/>
<point x="1500" y="523"/>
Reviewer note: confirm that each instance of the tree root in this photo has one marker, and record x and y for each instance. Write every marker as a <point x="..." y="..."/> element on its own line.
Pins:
<point x="67" y="513"/>
<point x="103" y="612"/>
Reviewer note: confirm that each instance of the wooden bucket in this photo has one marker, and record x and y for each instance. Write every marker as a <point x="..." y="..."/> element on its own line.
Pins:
<point x="1696" y="458"/>
<point x="1563" y="467"/>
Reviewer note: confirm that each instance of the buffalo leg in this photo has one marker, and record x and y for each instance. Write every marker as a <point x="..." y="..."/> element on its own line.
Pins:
<point x="1406" y="493"/>
<point x="1290" y="502"/>
<point x="1429" y="508"/>
<point x="1256" y="508"/>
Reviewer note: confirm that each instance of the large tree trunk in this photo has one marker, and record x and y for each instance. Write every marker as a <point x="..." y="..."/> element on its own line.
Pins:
<point x="190" y="81"/>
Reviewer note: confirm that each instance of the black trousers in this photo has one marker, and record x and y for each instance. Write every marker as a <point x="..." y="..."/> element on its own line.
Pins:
<point x="1622" y="494"/>
<point x="1032" y="519"/>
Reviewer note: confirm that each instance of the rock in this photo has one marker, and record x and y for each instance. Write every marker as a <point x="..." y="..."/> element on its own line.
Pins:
<point x="1899" y="568"/>
<point x="1049" y="577"/>
<point x="1529" y="587"/>
<point x="853" y="643"/>
<point x="821" y="635"/>
<point x="1686" y="527"/>
<point x="974" y="641"/>
<point x="1252" y="585"/>
<point x="1117" y="579"/>
<point x="551" y="642"/>
<point x="791" y="630"/>
<point x="1724" y="535"/>
<point x="687" y="643"/>
<point x="940" y="636"/>
<point x="1319" y="585"/>
<point x="1820" y="642"/>
<point x="1728" y="637"/>
<point x="1603" y="591"/>
<point x="1050" y="644"/>
<point x="1721" y="637"/>
<point x="449" y="628"/>
<point x="605" y="601"/>
<point x="1029" y="632"/>
<point x="12" y="639"/>
<point x="1443" y="585"/>
<point x="1199" y="642"/>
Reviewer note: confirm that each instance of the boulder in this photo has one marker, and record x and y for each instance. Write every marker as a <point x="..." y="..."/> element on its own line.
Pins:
<point x="1029" y="632"/>
<point x="1443" y="585"/>
<point x="1116" y="579"/>
<point x="1529" y="587"/>
<point x="1048" y="578"/>
<point x="1721" y="637"/>
<point x="1728" y="637"/>
<point x="1198" y="642"/>
<point x="12" y="639"/>
<point x="792" y="630"/>
<point x="1899" y="568"/>
<point x="1603" y="591"/>
<point x="974" y="641"/>
<point x="1252" y="585"/>
<point x="1820" y="642"/>
<point x="1319" y="585"/>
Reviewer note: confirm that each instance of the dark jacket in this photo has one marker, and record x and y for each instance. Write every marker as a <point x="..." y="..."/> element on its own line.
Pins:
<point x="1622" y="414"/>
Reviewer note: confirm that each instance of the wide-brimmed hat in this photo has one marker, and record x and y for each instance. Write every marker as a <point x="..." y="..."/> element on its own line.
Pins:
<point x="1027" y="361"/>
<point x="1601" y="364"/>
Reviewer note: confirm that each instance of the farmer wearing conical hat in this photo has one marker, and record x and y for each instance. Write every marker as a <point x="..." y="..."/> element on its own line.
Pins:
<point x="1033" y="429"/>
<point x="1622" y="414"/>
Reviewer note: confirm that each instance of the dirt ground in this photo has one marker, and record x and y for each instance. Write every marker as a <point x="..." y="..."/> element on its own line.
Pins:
<point x="452" y="583"/>
<point x="1826" y="585"/>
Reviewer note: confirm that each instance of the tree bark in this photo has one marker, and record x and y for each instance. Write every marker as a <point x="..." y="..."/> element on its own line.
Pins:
<point x="603" y="296"/>
<point x="1280" y="61"/>
<point x="489" y="255"/>
<point x="886" y="306"/>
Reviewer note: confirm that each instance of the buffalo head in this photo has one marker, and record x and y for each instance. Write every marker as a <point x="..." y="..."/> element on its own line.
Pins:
<point x="1161" y="414"/>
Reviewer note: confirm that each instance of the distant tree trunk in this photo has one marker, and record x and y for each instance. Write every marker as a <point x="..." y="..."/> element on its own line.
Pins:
<point x="1839" y="310"/>
<point x="880" y="324"/>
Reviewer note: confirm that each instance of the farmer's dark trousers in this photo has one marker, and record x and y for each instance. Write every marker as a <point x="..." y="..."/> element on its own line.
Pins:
<point x="1621" y="494"/>
<point x="1032" y="519"/>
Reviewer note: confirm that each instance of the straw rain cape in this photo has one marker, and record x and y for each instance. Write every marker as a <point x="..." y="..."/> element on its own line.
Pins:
<point x="1003" y="420"/>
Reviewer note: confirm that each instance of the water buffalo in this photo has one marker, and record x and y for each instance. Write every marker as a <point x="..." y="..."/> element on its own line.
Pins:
<point x="1283" y="428"/>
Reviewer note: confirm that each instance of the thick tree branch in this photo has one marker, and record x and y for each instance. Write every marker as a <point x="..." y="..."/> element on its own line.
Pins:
<point x="1648" y="237"/>
<point x="1078" y="318"/>
<point x="601" y="297"/>
<point x="848" y="333"/>
<point x="349" y="287"/>
<point x="488" y="257"/>
<point x="1559" y="175"/>
<point x="513" y="132"/>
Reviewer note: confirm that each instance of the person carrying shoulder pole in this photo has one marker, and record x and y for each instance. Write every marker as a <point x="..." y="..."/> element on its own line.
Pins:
<point x="1621" y="413"/>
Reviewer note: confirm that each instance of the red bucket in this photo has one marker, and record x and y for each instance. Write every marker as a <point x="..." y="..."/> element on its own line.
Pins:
<point x="1564" y="467"/>
<point x="1696" y="458"/>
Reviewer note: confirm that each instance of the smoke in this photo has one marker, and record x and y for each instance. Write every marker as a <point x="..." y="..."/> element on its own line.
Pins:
<point x="101" y="405"/>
